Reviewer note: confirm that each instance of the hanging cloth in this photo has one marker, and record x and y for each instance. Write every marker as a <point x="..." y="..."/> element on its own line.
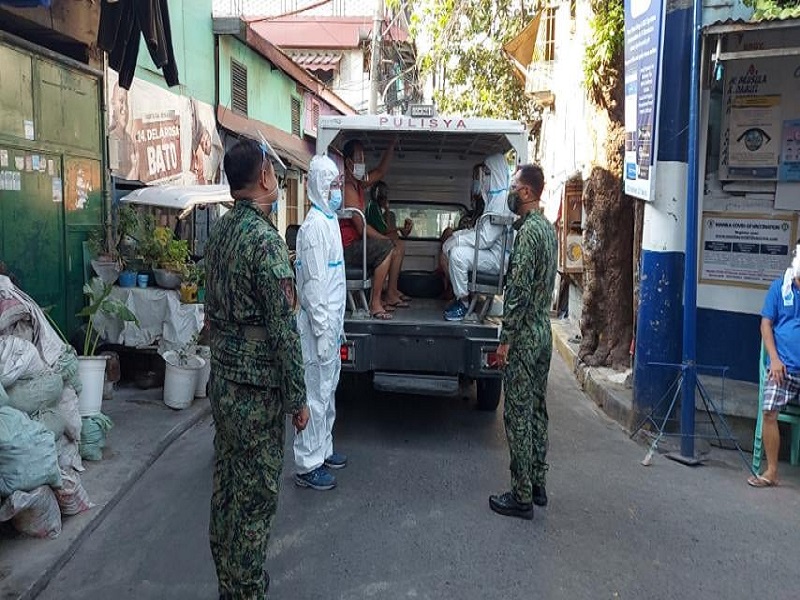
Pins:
<point x="123" y="23"/>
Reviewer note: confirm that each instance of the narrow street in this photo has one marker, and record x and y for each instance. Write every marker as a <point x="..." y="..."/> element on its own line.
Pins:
<point x="410" y="518"/>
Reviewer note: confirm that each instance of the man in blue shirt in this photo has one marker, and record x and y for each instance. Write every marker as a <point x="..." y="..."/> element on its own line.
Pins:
<point x="780" y="330"/>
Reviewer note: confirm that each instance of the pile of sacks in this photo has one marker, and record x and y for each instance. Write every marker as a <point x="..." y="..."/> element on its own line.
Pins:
<point x="40" y="425"/>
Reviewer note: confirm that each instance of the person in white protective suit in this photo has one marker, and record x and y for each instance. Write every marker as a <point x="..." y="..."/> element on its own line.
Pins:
<point x="321" y="289"/>
<point x="460" y="248"/>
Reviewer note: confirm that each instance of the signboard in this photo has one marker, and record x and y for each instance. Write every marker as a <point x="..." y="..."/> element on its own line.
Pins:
<point x="746" y="250"/>
<point x="158" y="137"/>
<point x="643" y="39"/>
<point x="761" y="120"/>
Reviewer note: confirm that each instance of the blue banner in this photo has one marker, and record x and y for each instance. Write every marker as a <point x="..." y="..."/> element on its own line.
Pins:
<point x="643" y="43"/>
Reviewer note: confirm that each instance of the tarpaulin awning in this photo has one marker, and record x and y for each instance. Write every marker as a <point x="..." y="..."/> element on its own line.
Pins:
<point x="317" y="61"/>
<point x="288" y="146"/>
<point x="520" y="49"/>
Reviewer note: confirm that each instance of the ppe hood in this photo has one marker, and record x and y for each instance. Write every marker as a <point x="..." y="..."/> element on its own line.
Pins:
<point x="321" y="173"/>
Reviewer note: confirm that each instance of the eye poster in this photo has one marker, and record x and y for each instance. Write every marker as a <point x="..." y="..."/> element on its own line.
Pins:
<point x="755" y="130"/>
<point x="761" y="103"/>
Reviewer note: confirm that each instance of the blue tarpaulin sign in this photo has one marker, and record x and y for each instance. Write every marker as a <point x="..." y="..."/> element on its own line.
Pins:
<point x="643" y="42"/>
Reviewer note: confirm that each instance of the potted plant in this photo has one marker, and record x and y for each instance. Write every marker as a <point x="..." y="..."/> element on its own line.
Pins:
<point x="172" y="257"/>
<point x="182" y="370"/>
<point x="105" y="260"/>
<point x="92" y="368"/>
<point x="192" y="277"/>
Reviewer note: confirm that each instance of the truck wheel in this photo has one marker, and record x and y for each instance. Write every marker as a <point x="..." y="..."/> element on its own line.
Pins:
<point x="489" y="393"/>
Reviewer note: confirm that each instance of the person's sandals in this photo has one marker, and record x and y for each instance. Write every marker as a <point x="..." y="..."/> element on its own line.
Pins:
<point x="401" y="304"/>
<point x="382" y="315"/>
<point x="760" y="481"/>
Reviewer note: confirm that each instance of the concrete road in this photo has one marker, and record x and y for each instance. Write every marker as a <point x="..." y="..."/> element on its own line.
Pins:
<point x="410" y="518"/>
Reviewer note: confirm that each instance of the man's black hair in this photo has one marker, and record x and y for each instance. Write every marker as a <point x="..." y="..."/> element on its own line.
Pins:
<point x="243" y="163"/>
<point x="377" y="188"/>
<point x="533" y="176"/>
<point x="349" y="149"/>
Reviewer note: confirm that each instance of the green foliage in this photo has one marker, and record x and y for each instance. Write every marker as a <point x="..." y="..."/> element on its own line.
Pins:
<point x="172" y="254"/>
<point x="604" y="55"/>
<point x="765" y="10"/>
<point x="98" y="295"/>
<point x="473" y="77"/>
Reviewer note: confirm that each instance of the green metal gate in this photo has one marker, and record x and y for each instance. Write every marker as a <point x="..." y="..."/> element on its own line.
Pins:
<point x="51" y="175"/>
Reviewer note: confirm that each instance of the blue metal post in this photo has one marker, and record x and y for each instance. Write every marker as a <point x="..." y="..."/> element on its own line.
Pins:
<point x="690" y="269"/>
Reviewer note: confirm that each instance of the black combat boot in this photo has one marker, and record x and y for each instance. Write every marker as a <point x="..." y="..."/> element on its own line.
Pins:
<point x="507" y="505"/>
<point x="539" y="495"/>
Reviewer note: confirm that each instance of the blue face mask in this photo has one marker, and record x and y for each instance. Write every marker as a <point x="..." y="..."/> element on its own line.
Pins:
<point x="276" y="202"/>
<point x="476" y="187"/>
<point x="335" y="200"/>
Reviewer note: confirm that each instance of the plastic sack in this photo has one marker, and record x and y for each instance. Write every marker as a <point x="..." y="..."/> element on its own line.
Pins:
<point x="93" y="436"/>
<point x="18" y="359"/>
<point x="72" y="497"/>
<point x="28" y="456"/>
<point x="52" y="420"/>
<point x="33" y="513"/>
<point x="67" y="366"/>
<point x="68" y="409"/>
<point x="69" y="454"/>
<point x="36" y="393"/>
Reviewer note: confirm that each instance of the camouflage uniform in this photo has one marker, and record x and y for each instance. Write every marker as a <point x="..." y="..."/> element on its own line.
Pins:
<point x="526" y="329"/>
<point x="256" y="378"/>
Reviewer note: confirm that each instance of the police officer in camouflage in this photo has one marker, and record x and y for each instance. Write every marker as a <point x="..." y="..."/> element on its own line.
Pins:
<point x="526" y="346"/>
<point x="256" y="371"/>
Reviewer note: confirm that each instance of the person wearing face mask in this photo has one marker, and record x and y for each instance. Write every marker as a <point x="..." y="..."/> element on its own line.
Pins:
<point x="256" y="370"/>
<point x="460" y="248"/>
<point x="526" y="346"/>
<point x="780" y="332"/>
<point x="322" y="290"/>
<point x="382" y="259"/>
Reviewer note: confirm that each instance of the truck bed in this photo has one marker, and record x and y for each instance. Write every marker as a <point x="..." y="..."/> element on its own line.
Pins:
<point x="426" y="313"/>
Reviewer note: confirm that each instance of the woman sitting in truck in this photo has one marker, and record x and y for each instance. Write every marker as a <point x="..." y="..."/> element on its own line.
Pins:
<point x="384" y="221"/>
<point x="382" y="259"/>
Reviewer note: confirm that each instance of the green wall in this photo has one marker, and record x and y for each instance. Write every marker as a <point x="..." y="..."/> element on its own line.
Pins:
<point x="193" y="42"/>
<point x="269" y="90"/>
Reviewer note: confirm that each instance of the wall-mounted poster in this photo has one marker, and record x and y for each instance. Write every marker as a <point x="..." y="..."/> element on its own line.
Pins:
<point x="790" y="155"/>
<point x="761" y="112"/>
<point x="745" y="249"/>
<point x="158" y="137"/>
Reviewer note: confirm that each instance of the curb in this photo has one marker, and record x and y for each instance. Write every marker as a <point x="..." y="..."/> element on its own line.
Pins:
<point x="173" y="434"/>
<point x="616" y="407"/>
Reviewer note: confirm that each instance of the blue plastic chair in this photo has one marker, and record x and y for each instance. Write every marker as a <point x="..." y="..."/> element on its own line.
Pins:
<point x="790" y="414"/>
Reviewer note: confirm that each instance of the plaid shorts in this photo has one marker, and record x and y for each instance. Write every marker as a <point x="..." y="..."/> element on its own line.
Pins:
<point x="777" y="396"/>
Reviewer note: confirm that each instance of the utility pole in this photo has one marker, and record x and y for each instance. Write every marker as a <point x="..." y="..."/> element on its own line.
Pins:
<point x="375" y="62"/>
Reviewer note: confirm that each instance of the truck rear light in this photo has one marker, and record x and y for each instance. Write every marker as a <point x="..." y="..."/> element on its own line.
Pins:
<point x="489" y="359"/>
<point x="347" y="352"/>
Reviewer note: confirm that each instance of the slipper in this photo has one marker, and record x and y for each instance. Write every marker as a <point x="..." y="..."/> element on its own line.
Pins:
<point x="760" y="481"/>
<point x="400" y="304"/>
<point x="382" y="315"/>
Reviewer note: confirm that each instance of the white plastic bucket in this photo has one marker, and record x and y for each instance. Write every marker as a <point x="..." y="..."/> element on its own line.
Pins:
<point x="200" y="391"/>
<point x="92" y="372"/>
<point x="180" y="381"/>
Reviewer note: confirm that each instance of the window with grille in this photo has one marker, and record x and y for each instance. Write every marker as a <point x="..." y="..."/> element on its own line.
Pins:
<point x="315" y="115"/>
<point x="238" y="87"/>
<point x="296" y="106"/>
<point x="550" y="34"/>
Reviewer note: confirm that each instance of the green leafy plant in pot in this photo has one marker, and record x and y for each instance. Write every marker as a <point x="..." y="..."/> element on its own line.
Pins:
<point x="172" y="258"/>
<point x="92" y="368"/>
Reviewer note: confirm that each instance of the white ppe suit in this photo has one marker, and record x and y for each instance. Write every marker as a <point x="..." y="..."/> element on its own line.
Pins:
<point x="321" y="289"/>
<point x="460" y="248"/>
